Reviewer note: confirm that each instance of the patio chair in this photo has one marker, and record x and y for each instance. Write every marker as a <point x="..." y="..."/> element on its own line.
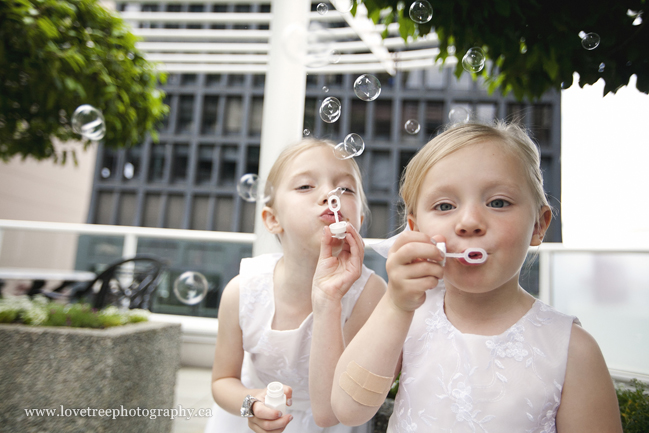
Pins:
<point x="128" y="283"/>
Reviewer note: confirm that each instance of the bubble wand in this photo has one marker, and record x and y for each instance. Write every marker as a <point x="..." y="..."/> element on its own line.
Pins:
<point x="339" y="228"/>
<point x="470" y="255"/>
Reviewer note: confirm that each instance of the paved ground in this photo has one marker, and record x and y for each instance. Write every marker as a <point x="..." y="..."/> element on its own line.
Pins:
<point x="192" y="391"/>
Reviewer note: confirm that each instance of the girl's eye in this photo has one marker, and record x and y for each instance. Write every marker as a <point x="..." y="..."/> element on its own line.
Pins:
<point x="303" y="187"/>
<point x="498" y="203"/>
<point x="444" y="207"/>
<point x="347" y="190"/>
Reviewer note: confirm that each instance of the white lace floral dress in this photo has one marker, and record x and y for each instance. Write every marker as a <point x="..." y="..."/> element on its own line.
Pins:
<point x="272" y="355"/>
<point x="455" y="382"/>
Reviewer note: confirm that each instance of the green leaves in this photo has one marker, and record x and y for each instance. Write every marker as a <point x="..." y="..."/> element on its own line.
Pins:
<point x="56" y="55"/>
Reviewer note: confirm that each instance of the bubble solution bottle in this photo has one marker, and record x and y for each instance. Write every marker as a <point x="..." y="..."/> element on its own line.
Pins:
<point x="275" y="397"/>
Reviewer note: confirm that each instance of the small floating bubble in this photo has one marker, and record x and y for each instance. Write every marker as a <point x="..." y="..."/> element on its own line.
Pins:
<point x="330" y="109"/>
<point x="352" y="146"/>
<point x="458" y="115"/>
<point x="252" y="189"/>
<point x="590" y="41"/>
<point x="322" y="9"/>
<point x="190" y="287"/>
<point x="367" y="87"/>
<point x="306" y="132"/>
<point x="89" y="122"/>
<point x="421" y="12"/>
<point x="474" y="60"/>
<point x="325" y="89"/>
<point x="412" y="126"/>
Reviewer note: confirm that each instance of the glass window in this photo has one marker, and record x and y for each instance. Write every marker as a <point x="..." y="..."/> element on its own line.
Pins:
<point x="434" y="77"/>
<point x="151" y="210"/>
<point x="434" y="117"/>
<point x="233" y="115"/>
<point x="382" y="120"/>
<point x="485" y="112"/>
<point x="228" y="168"/>
<point x="413" y="79"/>
<point x="256" y="112"/>
<point x="127" y="205"/>
<point x="247" y="217"/>
<point x="311" y="80"/>
<point x="205" y="163"/>
<point x="258" y="80"/>
<point x="387" y="80"/>
<point x="223" y="214"/>
<point x="252" y="159"/>
<point x="132" y="163"/>
<point x="200" y="207"/>
<point x="213" y="80"/>
<point x="173" y="8"/>
<point x="358" y="116"/>
<point x="380" y="171"/>
<point x="236" y="80"/>
<point x="108" y="164"/>
<point x="516" y="113"/>
<point x="164" y="124"/>
<point x="333" y="80"/>
<point x="185" y="114"/>
<point x="188" y="79"/>
<point x="404" y="159"/>
<point x="179" y="163"/>
<point x="465" y="81"/>
<point x="542" y="123"/>
<point x="157" y="163"/>
<point x="309" y="114"/>
<point x="210" y="114"/>
<point x="379" y="224"/>
<point x="410" y="111"/>
<point x="104" y="207"/>
<point x="175" y="210"/>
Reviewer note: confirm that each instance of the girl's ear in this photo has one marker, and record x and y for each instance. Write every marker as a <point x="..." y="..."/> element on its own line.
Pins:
<point x="541" y="226"/>
<point x="412" y="223"/>
<point x="270" y="220"/>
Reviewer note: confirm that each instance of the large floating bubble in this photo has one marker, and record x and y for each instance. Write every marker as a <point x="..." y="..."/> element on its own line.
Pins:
<point x="590" y="41"/>
<point x="89" y="122"/>
<point x="474" y="60"/>
<point x="190" y="287"/>
<point x="322" y="8"/>
<point x="252" y="189"/>
<point x="412" y="126"/>
<point x="330" y="109"/>
<point x="367" y="87"/>
<point x="421" y="12"/>
<point x="352" y="146"/>
<point x="458" y="115"/>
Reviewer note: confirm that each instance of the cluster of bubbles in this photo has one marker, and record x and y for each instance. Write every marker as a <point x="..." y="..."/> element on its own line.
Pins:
<point x="412" y="126"/>
<point x="459" y="115"/>
<point x="589" y="41"/>
<point x="474" y="60"/>
<point x="253" y="189"/>
<point x="190" y="287"/>
<point x="421" y="12"/>
<point x="89" y="122"/>
<point x="352" y="146"/>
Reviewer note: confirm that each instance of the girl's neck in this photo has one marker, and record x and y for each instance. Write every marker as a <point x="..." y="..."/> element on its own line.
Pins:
<point x="489" y="313"/>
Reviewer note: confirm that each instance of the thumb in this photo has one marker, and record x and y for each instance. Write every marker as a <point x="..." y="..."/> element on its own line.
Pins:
<point x="438" y="238"/>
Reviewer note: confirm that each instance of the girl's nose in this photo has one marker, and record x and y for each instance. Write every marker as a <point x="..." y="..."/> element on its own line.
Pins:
<point x="471" y="223"/>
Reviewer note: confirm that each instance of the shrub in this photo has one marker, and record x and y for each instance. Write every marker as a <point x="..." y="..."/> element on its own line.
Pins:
<point x="634" y="407"/>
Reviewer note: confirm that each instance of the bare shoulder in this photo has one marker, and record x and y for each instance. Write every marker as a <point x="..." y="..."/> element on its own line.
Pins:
<point x="588" y="399"/>
<point x="230" y="296"/>
<point x="372" y="293"/>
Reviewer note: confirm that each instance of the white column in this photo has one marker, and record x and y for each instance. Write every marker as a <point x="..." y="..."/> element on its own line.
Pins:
<point x="284" y="92"/>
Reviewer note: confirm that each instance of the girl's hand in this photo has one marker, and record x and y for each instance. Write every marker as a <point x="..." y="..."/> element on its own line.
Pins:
<point x="413" y="267"/>
<point x="267" y="419"/>
<point x="335" y="275"/>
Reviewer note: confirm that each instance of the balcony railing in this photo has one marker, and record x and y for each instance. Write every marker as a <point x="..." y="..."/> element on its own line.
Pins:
<point x="608" y="289"/>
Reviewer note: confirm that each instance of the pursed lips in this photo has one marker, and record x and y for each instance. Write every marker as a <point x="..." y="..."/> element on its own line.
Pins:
<point x="328" y="216"/>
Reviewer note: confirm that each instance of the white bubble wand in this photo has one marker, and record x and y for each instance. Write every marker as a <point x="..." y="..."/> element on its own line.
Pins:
<point x="339" y="228"/>
<point x="470" y="255"/>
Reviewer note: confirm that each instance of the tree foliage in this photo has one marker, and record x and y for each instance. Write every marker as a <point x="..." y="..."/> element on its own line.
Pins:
<point x="56" y="55"/>
<point x="534" y="45"/>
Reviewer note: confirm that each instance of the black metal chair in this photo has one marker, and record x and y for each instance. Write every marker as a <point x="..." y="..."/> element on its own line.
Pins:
<point x="128" y="283"/>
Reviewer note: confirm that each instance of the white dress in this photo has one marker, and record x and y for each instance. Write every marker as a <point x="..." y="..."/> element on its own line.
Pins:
<point x="455" y="382"/>
<point x="272" y="355"/>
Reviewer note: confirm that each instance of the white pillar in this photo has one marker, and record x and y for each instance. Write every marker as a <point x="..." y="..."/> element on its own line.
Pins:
<point x="284" y="92"/>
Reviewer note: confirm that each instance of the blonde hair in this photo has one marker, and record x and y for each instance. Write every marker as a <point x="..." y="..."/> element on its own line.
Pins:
<point x="291" y="152"/>
<point x="511" y="136"/>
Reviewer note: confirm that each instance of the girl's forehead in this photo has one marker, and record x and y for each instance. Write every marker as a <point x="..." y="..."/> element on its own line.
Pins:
<point x="317" y="161"/>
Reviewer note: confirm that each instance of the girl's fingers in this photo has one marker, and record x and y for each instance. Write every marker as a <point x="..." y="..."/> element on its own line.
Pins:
<point x="260" y="425"/>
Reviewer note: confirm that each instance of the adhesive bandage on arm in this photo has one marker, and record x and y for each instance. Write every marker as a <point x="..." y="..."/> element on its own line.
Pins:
<point x="363" y="386"/>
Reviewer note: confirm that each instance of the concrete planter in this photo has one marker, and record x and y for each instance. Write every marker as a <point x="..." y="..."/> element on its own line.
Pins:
<point x="65" y="369"/>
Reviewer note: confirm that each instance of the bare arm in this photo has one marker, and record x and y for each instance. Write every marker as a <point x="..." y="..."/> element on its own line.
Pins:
<point x="377" y="346"/>
<point x="227" y="389"/>
<point x="588" y="399"/>
<point x="333" y="278"/>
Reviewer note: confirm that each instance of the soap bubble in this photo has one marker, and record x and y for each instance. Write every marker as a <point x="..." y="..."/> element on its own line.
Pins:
<point x="458" y="115"/>
<point x="474" y="60"/>
<point x="330" y="109"/>
<point x="322" y="9"/>
<point x="306" y="132"/>
<point x="129" y="170"/>
<point x="343" y="5"/>
<point x="601" y="68"/>
<point x="412" y="126"/>
<point x="421" y="12"/>
<point x="367" y="87"/>
<point x="89" y="122"/>
<point x="352" y="146"/>
<point x="190" y="287"/>
<point x="252" y="189"/>
<point x="590" y="41"/>
<point x="105" y="172"/>
<point x="325" y="89"/>
<point x="334" y="56"/>
<point x="319" y="45"/>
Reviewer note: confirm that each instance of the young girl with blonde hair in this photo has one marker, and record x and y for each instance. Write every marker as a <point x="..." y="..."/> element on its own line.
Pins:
<point x="475" y="351"/>
<point x="287" y="317"/>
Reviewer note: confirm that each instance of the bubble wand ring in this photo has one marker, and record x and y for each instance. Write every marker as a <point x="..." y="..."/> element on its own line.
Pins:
<point x="466" y="255"/>
<point x="339" y="228"/>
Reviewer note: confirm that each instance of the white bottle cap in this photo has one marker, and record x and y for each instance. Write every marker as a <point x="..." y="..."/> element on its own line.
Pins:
<point x="338" y="230"/>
